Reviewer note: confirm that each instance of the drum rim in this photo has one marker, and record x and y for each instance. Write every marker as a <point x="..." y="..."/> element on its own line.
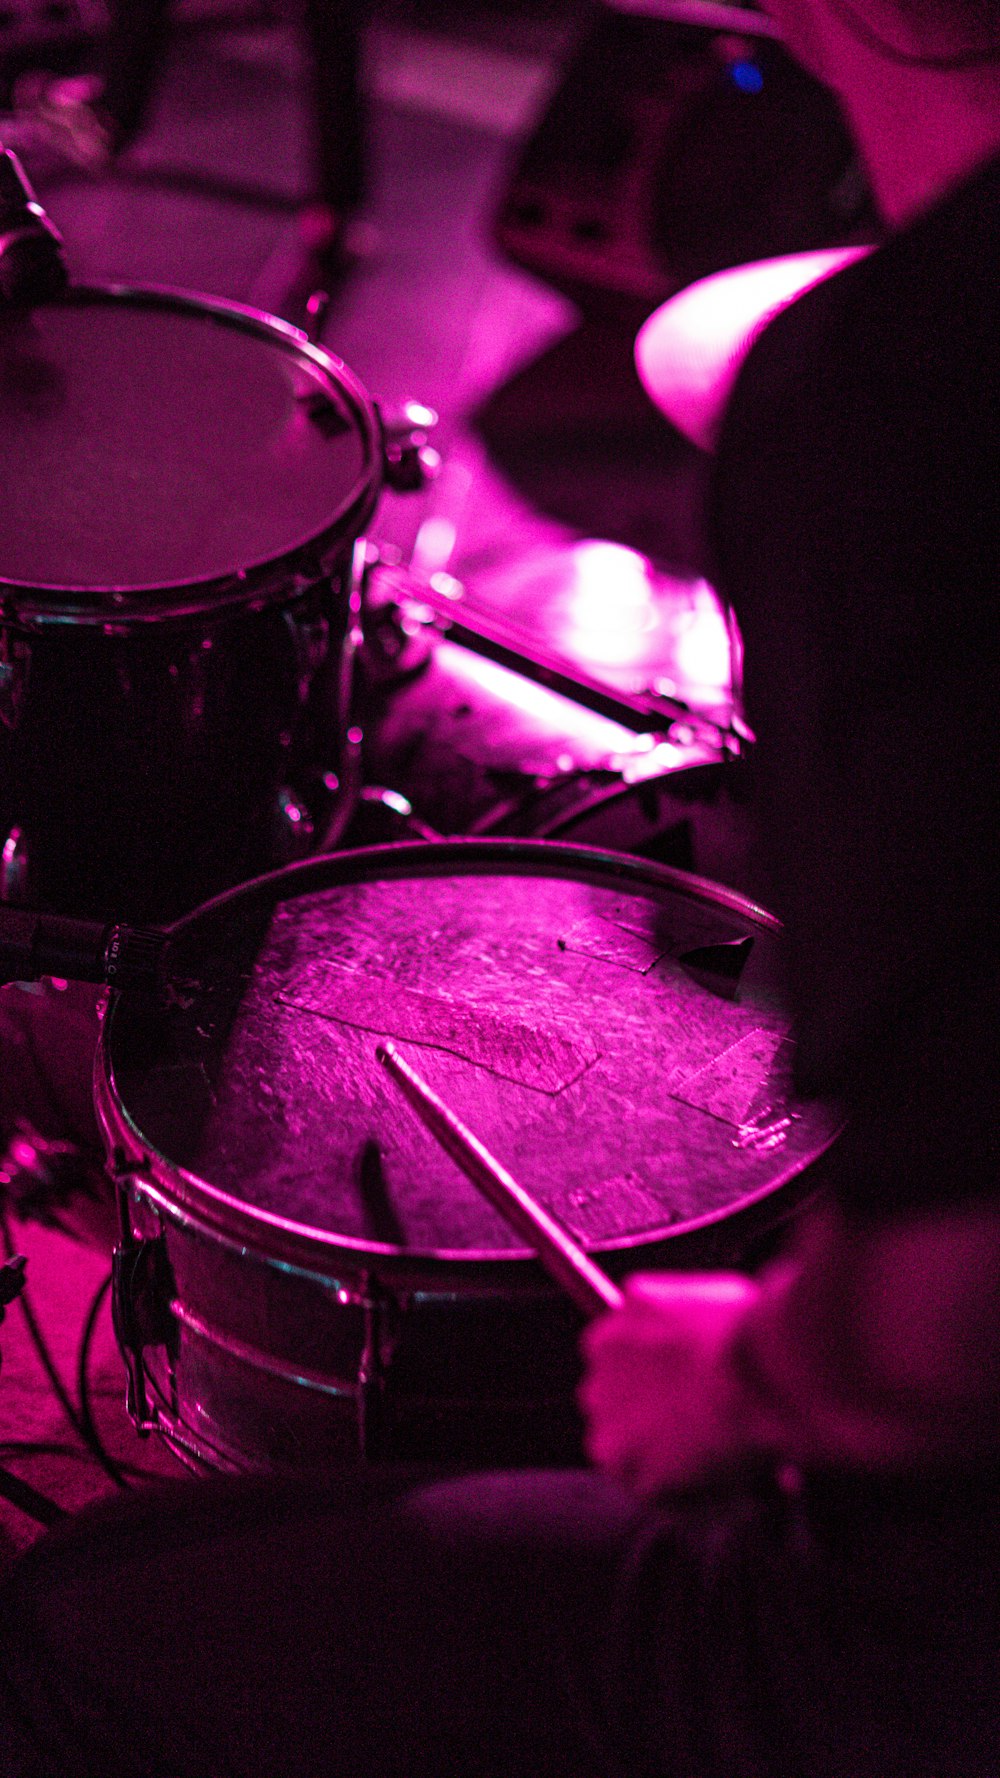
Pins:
<point x="33" y="605"/>
<point x="197" y="1203"/>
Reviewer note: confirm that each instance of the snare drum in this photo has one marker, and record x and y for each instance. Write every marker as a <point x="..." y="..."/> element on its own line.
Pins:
<point x="304" y="1276"/>
<point x="184" y="480"/>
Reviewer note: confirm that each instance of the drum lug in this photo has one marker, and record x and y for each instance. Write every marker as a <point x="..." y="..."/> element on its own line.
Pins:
<point x="15" y="662"/>
<point x="346" y="781"/>
<point x="411" y="462"/>
<point x="310" y="635"/>
<point x="141" y="1286"/>
<point x="294" y="830"/>
<point x="15" y="869"/>
<point x="372" y="1422"/>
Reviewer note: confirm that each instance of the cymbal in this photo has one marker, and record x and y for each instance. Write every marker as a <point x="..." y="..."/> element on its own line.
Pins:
<point x="689" y="351"/>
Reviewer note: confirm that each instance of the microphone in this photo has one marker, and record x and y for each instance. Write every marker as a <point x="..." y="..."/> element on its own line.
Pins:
<point x="115" y="955"/>
<point x="32" y="268"/>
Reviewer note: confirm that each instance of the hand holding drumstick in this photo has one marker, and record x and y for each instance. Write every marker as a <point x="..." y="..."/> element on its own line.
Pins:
<point x="658" y="1399"/>
<point x="563" y="1258"/>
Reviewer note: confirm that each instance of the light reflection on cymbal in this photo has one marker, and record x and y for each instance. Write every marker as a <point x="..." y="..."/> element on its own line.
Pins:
<point x="690" y="350"/>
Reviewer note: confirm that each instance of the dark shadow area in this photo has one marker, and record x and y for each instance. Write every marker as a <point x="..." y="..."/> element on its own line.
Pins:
<point x="576" y="434"/>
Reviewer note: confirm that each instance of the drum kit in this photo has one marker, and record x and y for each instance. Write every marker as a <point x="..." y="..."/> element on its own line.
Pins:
<point x="357" y="812"/>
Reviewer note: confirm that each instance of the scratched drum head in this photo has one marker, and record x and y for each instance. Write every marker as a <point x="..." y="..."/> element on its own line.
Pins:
<point x="614" y="1031"/>
<point x="163" y="453"/>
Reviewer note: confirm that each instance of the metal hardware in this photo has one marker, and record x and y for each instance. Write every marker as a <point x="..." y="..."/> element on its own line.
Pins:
<point x="401" y="821"/>
<point x="15" y="874"/>
<point x="372" y="1422"/>
<point x="253" y="1357"/>
<point x="15" y="661"/>
<point x="141" y="1289"/>
<point x="439" y="605"/>
<point x="364" y="559"/>
<point x="411" y="461"/>
<point x="294" y="827"/>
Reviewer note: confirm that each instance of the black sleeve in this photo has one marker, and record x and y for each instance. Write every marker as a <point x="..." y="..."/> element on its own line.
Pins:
<point x="853" y="533"/>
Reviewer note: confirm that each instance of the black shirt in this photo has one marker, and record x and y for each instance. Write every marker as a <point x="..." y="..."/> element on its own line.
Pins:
<point x="855" y="532"/>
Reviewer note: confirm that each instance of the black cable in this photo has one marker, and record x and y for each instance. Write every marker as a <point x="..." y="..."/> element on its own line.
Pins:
<point x="83" y="1427"/>
<point x="38" y="1447"/>
<point x="38" y="1340"/>
<point x="28" y="1500"/>
<point x="87" y="1422"/>
<point x="82" y="1379"/>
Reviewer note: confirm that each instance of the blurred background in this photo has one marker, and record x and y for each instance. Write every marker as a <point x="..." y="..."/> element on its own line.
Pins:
<point x="537" y="176"/>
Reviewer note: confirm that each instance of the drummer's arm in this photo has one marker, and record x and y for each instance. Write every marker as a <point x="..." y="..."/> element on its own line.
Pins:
<point x="872" y="1345"/>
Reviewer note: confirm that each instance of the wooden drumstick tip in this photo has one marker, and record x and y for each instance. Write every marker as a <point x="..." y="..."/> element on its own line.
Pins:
<point x="566" y="1261"/>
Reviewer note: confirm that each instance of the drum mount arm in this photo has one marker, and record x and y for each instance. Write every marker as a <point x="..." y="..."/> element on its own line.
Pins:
<point x="34" y="944"/>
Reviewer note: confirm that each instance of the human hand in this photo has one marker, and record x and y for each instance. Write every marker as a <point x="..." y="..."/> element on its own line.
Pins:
<point x="662" y="1406"/>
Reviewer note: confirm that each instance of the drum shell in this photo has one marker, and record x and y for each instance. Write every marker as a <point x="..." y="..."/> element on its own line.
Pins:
<point x="145" y="765"/>
<point x="157" y="696"/>
<point x="267" y="1367"/>
<point x="259" y="1343"/>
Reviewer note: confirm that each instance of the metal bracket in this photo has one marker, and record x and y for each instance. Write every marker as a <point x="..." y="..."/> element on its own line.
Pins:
<point x="15" y="665"/>
<point x="310" y="634"/>
<point x="373" y="1425"/>
<point x="411" y="461"/>
<point x="141" y="1288"/>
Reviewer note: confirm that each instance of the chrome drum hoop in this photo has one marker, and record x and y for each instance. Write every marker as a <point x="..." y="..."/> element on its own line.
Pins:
<point x="30" y="603"/>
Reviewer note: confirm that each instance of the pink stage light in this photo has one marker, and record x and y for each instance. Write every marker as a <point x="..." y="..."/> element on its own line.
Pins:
<point x="595" y="737"/>
<point x="701" y="649"/>
<point x="609" y="607"/>
<point x="617" y="611"/>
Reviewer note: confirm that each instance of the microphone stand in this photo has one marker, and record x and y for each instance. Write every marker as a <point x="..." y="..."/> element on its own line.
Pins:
<point x="34" y="944"/>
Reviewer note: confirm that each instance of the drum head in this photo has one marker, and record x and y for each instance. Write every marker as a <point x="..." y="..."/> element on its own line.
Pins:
<point x="151" y="441"/>
<point x="548" y="993"/>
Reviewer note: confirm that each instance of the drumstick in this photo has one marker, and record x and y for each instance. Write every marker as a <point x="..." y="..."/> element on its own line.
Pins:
<point x="563" y="1258"/>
